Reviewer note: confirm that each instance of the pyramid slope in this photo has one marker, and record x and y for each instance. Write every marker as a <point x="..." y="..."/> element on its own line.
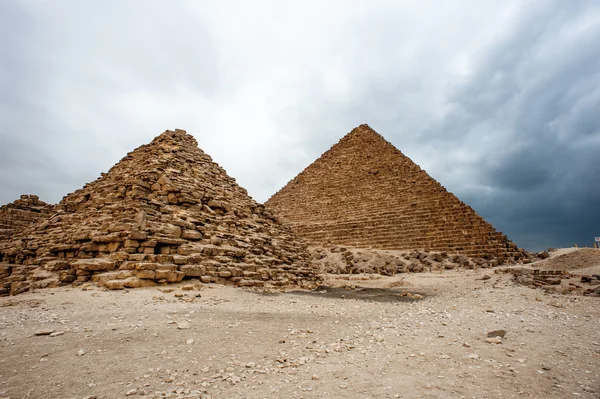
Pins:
<point x="364" y="192"/>
<point x="166" y="211"/>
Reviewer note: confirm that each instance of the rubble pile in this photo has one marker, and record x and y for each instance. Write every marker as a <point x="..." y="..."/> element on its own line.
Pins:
<point x="346" y="260"/>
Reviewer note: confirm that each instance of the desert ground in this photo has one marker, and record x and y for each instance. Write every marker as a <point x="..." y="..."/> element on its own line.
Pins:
<point x="413" y="335"/>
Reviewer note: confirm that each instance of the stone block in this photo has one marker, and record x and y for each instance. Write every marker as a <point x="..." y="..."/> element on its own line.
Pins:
<point x="193" y="270"/>
<point x="146" y="274"/>
<point x="96" y="264"/>
<point x="115" y="284"/>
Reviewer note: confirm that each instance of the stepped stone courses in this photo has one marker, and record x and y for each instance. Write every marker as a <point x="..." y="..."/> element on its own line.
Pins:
<point x="364" y="192"/>
<point x="14" y="217"/>
<point x="165" y="212"/>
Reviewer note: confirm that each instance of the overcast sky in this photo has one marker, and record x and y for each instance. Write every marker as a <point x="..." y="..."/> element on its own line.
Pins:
<point x="498" y="100"/>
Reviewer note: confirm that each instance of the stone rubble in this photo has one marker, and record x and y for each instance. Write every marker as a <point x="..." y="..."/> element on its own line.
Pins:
<point x="165" y="212"/>
<point x="348" y="260"/>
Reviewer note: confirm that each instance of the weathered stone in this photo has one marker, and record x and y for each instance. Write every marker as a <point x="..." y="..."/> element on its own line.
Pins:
<point x="136" y="282"/>
<point x="193" y="270"/>
<point x="191" y="235"/>
<point x="115" y="284"/>
<point x="170" y="276"/>
<point x="95" y="264"/>
<point x="147" y="274"/>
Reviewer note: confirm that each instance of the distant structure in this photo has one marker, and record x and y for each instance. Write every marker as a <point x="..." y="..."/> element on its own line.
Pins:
<point x="364" y="192"/>
<point x="16" y="216"/>
<point x="165" y="212"/>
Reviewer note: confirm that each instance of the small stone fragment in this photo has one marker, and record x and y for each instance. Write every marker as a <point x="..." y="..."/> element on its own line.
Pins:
<point x="496" y="333"/>
<point x="183" y="325"/>
<point x="43" y="332"/>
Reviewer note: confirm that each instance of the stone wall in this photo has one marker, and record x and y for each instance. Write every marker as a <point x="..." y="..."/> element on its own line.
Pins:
<point x="364" y="192"/>
<point x="165" y="212"/>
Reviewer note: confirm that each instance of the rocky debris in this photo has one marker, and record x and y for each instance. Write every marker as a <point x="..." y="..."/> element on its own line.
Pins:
<point x="165" y="212"/>
<point x="555" y="281"/>
<point x="496" y="334"/>
<point x="364" y="192"/>
<point x="348" y="260"/>
<point x="17" y="215"/>
<point x="573" y="260"/>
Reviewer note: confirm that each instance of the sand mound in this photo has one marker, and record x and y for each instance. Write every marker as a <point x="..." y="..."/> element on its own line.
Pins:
<point x="577" y="259"/>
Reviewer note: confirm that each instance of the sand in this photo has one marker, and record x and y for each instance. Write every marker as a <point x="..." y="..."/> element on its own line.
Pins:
<point x="222" y="342"/>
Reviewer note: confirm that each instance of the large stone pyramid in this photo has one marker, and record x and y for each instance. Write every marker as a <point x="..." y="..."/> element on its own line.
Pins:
<point x="364" y="192"/>
<point x="166" y="211"/>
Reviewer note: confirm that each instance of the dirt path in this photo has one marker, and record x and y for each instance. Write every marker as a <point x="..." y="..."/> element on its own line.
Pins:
<point x="232" y="343"/>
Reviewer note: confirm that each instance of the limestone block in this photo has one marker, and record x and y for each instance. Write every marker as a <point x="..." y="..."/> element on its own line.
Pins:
<point x="115" y="284"/>
<point x="99" y="238"/>
<point x="191" y="235"/>
<point x="170" y="276"/>
<point x="138" y="235"/>
<point x="148" y="274"/>
<point x="193" y="270"/>
<point x="131" y="244"/>
<point x="179" y="259"/>
<point x="137" y="282"/>
<point x="94" y="264"/>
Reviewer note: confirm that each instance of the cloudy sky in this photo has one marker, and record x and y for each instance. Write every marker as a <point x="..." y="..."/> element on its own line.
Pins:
<point x="498" y="100"/>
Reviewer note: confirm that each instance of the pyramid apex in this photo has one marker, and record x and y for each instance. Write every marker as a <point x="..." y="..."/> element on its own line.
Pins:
<point x="174" y="135"/>
<point x="363" y="130"/>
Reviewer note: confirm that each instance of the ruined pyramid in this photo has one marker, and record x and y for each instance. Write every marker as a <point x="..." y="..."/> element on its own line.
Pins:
<point x="166" y="211"/>
<point x="364" y="192"/>
<point x="17" y="215"/>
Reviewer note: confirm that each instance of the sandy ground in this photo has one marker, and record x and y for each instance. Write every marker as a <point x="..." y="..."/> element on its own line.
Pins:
<point x="234" y="343"/>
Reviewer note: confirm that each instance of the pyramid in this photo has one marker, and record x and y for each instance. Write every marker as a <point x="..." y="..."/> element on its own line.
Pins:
<point x="364" y="192"/>
<point x="17" y="215"/>
<point x="164" y="212"/>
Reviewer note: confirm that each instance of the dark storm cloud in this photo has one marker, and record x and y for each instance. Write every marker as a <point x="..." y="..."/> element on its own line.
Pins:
<point x="539" y="90"/>
<point x="497" y="100"/>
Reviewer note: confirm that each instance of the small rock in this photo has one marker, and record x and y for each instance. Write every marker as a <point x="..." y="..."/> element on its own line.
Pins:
<point x="486" y="277"/>
<point x="131" y="392"/>
<point x="43" y="332"/>
<point x="81" y="352"/>
<point x="189" y="341"/>
<point x="250" y="365"/>
<point x="496" y="333"/>
<point x="495" y="340"/>
<point x="57" y="333"/>
<point x="183" y="325"/>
